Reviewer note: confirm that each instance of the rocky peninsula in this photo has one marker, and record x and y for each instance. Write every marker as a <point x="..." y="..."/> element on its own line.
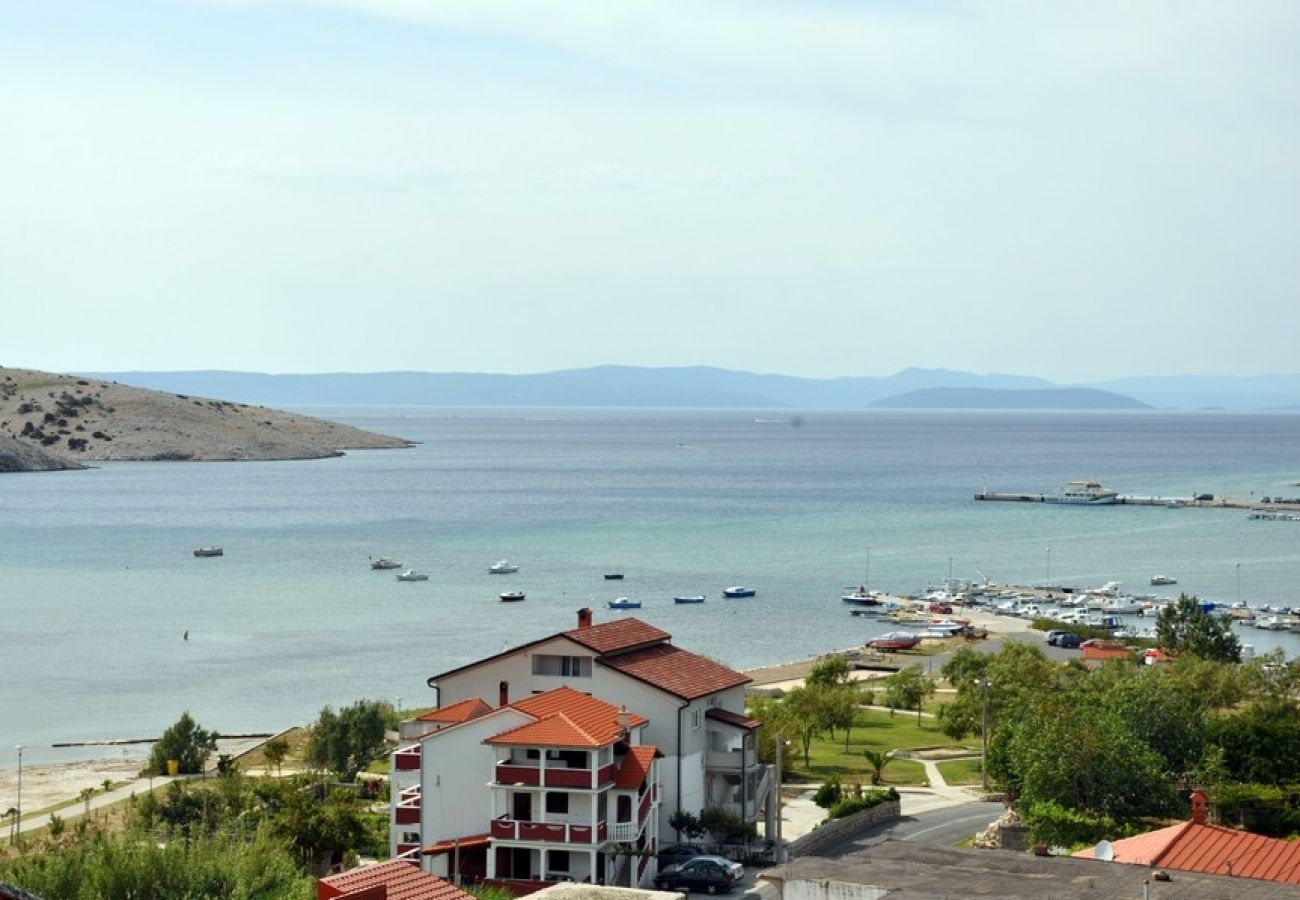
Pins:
<point x="50" y="421"/>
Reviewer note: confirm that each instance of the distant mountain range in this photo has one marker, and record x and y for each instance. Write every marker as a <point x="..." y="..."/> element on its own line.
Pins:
<point x="704" y="386"/>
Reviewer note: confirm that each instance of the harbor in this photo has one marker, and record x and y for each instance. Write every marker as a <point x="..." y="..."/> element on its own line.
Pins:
<point x="1094" y="493"/>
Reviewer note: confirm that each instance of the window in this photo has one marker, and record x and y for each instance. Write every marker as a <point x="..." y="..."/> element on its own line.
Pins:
<point x="695" y="718"/>
<point x="575" y="666"/>
<point x="557" y="802"/>
<point x="558" y="861"/>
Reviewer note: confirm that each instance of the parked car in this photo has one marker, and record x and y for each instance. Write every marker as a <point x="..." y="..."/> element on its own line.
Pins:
<point x="696" y="874"/>
<point x="1069" y="640"/>
<point x="736" y="869"/>
<point x="1055" y="635"/>
<point x="676" y="854"/>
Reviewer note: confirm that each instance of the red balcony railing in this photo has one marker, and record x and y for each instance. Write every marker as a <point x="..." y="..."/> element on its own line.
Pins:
<point x="534" y="776"/>
<point x="408" y="815"/>
<point x="408" y="759"/>
<point x="558" y="832"/>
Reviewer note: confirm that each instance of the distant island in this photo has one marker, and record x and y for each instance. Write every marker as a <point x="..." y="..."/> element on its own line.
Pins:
<point x="50" y="421"/>
<point x="702" y="387"/>
<point x="984" y="398"/>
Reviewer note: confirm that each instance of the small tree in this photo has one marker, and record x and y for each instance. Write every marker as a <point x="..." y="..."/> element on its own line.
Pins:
<point x="877" y="760"/>
<point x="1185" y="627"/>
<point x="723" y="824"/>
<point x="828" y="672"/>
<point x="274" y="751"/>
<point x="686" y="823"/>
<point x="347" y="741"/>
<point x="907" y="689"/>
<point x="184" y="742"/>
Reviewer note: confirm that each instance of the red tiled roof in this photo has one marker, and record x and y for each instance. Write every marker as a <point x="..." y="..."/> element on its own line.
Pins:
<point x="617" y="636"/>
<point x="731" y="718"/>
<point x="402" y="879"/>
<point x="457" y="712"/>
<point x="566" y="718"/>
<point x="1212" y="850"/>
<point x="636" y="765"/>
<point x="447" y="846"/>
<point x="677" y="671"/>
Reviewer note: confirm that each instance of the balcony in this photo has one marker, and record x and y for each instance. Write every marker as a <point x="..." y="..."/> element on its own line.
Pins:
<point x="556" y="777"/>
<point x="558" y="832"/>
<point x="625" y="832"/>
<point x="407" y="814"/>
<point x="730" y="760"/>
<point x="407" y="759"/>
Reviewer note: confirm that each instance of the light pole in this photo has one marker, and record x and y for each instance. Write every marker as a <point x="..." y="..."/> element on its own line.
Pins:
<point x="777" y="847"/>
<point x="1049" y="569"/>
<point x="18" y="829"/>
<point x="1238" y="585"/>
<point x="984" y="735"/>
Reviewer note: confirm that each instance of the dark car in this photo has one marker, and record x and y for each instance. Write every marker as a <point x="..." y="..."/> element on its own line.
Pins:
<point x="677" y="854"/>
<point x="698" y="874"/>
<point x="1069" y="640"/>
<point x="1055" y="635"/>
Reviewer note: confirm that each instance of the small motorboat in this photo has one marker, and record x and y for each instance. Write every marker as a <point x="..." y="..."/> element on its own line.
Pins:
<point x="209" y="551"/>
<point x="613" y="576"/>
<point x="383" y="562"/>
<point x="1163" y="579"/>
<point x="689" y="598"/>
<point x="512" y="596"/>
<point x="625" y="603"/>
<point x="894" y="640"/>
<point x="412" y="575"/>
<point x="738" y="591"/>
<point x="860" y="596"/>
<point x="503" y="567"/>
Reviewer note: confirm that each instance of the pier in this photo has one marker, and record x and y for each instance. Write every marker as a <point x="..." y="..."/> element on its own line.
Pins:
<point x="1134" y="500"/>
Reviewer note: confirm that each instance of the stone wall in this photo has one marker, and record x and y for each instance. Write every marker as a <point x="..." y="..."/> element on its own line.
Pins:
<point x="828" y="835"/>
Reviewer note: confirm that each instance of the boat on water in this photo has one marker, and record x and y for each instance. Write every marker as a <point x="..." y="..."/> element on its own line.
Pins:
<point x="412" y="575"/>
<point x="384" y="562"/>
<point x="860" y="596"/>
<point x="689" y="598"/>
<point x="894" y="640"/>
<point x="1163" y="579"/>
<point x="625" y="603"/>
<point x="209" y="551"/>
<point x="613" y="576"/>
<point x="512" y="596"/>
<point x="502" y="567"/>
<point x="738" y="591"/>
<point x="1084" y="493"/>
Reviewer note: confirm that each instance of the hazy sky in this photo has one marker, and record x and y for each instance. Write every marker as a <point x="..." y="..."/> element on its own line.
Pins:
<point x="1072" y="190"/>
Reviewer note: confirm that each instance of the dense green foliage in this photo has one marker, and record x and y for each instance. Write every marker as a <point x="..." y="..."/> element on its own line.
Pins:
<point x="1183" y="627"/>
<point x="347" y="741"/>
<point x="908" y="688"/>
<point x="867" y="799"/>
<point x="184" y="742"/>
<point x="1053" y="824"/>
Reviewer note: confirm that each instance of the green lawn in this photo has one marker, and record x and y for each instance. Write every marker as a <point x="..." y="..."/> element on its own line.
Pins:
<point x="873" y="731"/>
<point x="962" y="771"/>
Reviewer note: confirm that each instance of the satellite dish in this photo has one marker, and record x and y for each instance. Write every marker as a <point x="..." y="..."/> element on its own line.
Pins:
<point x="1105" y="851"/>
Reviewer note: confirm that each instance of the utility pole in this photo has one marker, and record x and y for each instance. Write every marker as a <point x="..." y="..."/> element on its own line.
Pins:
<point x="1049" y="568"/>
<point x="18" y="807"/>
<point x="984" y="734"/>
<point x="778" y="847"/>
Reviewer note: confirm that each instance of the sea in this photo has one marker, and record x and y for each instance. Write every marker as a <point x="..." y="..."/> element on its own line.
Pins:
<point x="99" y="585"/>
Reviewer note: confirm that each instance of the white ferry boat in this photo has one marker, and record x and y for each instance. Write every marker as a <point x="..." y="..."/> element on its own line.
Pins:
<point x="1090" y="493"/>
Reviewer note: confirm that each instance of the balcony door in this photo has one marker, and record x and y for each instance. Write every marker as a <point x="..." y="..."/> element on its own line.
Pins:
<point x="521" y="806"/>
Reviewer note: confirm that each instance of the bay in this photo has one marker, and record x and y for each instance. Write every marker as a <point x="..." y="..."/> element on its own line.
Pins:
<point x="98" y="582"/>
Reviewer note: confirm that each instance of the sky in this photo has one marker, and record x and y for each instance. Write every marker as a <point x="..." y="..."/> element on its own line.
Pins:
<point x="1073" y="190"/>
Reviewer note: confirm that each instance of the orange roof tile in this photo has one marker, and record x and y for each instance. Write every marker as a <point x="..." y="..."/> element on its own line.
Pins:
<point x="402" y="879"/>
<point x="636" y="765"/>
<point x="1212" y="850"/>
<point x="464" y="843"/>
<point x="566" y="718"/>
<point x="617" y="636"/>
<point x="677" y="671"/>
<point x="457" y="712"/>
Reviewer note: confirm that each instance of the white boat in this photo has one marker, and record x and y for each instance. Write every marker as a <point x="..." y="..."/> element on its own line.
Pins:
<point x="503" y="567"/>
<point x="1163" y="579"/>
<point x="860" y="596"/>
<point x="412" y="575"/>
<point x="383" y="562"/>
<point x="689" y="598"/>
<point x="209" y="551"/>
<point x="625" y="603"/>
<point x="512" y="596"/>
<point x="738" y="591"/>
<point x="1086" y="493"/>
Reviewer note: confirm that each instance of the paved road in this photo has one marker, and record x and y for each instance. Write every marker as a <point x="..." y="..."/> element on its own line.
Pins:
<point x="937" y="827"/>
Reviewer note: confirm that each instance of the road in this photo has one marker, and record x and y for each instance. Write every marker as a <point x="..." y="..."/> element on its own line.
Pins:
<point x="938" y="827"/>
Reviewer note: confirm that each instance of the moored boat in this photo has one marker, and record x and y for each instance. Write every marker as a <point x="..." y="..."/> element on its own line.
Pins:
<point x="1086" y="493"/>
<point x="412" y="575"/>
<point x="1163" y="579"/>
<point x="209" y="551"/>
<point x="613" y="576"/>
<point x="739" y="591"/>
<point x="503" y="567"/>
<point x="689" y="598"/>
<point x="512" y="596"/>
<point x="860" y="596"/>
<point x="625" y="603"/>
<point x="383" y="562"/>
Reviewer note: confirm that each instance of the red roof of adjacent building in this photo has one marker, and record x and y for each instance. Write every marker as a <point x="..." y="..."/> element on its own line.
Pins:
<point x="400" y="879"/>
<point x="567" y="718"/>
<point x="617" y="636"/>
<point x="636" y="765"/>
<point x="464" y="843"/>
<point x="1212" y="850"/>
<point x="677" y="671"/>
<point x="457" y="712"/>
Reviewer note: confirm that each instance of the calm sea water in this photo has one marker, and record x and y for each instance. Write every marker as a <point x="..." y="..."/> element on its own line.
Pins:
<point x="98" y="583"/>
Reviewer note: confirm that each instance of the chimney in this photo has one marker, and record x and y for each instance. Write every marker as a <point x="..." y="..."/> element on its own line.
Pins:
<point x="1198" y="806"/>
<point x="503" y="694"/>
<point x="624" y="720"/>
<point x="584" y="618"/>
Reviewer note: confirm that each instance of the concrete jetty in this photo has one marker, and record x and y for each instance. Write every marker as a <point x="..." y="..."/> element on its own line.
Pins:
<point x="1195" y="502"/>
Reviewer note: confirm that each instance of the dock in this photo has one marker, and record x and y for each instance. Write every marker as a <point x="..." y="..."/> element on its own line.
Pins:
<point x="1131" y="500"/>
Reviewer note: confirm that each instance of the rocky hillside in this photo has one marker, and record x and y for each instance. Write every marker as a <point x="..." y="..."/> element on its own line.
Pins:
<point x="46" y="418"/>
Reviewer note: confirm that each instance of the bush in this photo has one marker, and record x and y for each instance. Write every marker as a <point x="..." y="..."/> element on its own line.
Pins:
<point x="184" y="742"/>
<point x="850" y="805"/>
<point x="830" y="793"/>
<point x="1051" y="823"/>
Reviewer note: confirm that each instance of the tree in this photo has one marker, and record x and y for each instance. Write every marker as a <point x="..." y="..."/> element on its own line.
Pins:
<point x="829" y="671"/>
<point x="184" y="742"/>
<point x="877" y="760"/>
<point x="350" y="740"/>
<point x="274" y="751"/>
<point x="686" y="823"/>
<point x="802" y="716"/>
<point x="1185" y="627"/>
<point x="907" y="689"/>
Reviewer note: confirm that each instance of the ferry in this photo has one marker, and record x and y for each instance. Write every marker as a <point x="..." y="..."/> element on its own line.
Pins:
<point x="1088" y="493"/>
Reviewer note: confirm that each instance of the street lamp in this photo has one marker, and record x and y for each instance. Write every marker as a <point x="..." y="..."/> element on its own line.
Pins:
<point x="984" y="734"/>
<point x="19" y="805"/>
<point x="1049" y="569"/>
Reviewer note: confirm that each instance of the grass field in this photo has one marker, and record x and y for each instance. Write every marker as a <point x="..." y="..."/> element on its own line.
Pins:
<point x="962" y="771"/>
<point x="874" y="731"/>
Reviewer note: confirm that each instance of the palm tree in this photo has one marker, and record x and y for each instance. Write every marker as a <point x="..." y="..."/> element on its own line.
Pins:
<point x="877" y="759"/>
